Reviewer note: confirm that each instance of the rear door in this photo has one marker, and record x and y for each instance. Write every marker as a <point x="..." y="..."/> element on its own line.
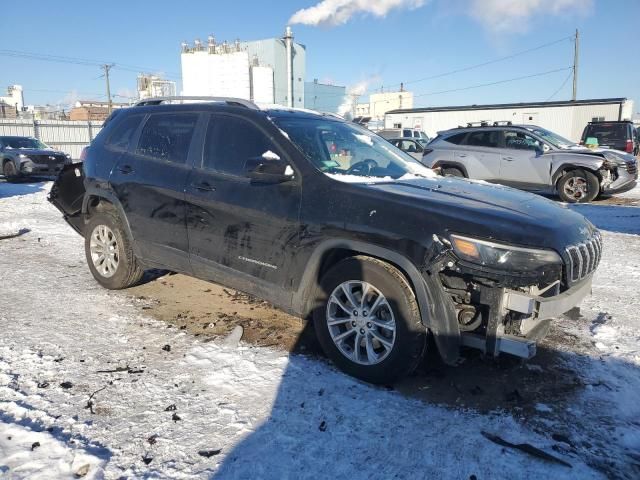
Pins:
<point x="523" y="163"/>
<point x="479" y="152"/>
<point x="235" y="225"/>
<point x="150" y="181"/>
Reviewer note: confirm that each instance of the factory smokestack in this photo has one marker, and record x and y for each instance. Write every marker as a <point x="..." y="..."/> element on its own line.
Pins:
<point x="288" y="41"/>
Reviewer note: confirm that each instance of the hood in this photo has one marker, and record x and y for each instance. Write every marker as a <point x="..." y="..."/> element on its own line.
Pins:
<point x="36" y="151"/>
<point x="480" y="209"/>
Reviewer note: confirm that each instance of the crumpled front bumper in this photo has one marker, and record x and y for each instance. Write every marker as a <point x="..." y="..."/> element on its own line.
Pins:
<point x="626" y="180"/>
<point x="539" y="311"/>
<point x="542" y="308"/>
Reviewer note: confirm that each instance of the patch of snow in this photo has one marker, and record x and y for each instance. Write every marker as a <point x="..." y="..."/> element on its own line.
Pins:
<point x="38" y="455"/>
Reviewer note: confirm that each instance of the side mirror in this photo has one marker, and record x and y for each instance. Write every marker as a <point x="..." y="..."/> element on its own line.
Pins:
<point x="545" y="148"/>
<point x="268" y="168"/>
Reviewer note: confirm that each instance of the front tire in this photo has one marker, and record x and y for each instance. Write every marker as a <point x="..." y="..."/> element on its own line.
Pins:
<point x="109" y="252"/>
<point x="452" y="172"/>
<point x="9" y="171"/>
<point x="578" y="186"/>
<point x="368" y="322"/>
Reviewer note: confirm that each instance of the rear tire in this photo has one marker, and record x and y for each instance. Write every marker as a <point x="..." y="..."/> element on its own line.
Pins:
<point x="578" y="186"/>
<point x="109" y="252"/>
<point x="385" y="343"/>
<point x="9" y="171"/>
<point x="452" y="172"/>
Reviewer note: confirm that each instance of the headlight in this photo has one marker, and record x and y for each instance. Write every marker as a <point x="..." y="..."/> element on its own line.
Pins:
<point x="502" y="257"/>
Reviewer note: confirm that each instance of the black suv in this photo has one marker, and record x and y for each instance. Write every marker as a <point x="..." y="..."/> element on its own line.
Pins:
<point x="327" y="221"/>
<point x="617" y="135"/>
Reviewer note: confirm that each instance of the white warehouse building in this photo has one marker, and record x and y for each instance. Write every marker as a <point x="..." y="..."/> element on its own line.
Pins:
<point x="265" y="71"/>
<point x="567" y="118"/>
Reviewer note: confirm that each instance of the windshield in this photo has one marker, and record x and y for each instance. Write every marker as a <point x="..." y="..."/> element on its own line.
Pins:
<point x="553" y="138"/>
<point x="345" y="149"/>
<point x="23" y="143"/>
<point x="607" y="133"/>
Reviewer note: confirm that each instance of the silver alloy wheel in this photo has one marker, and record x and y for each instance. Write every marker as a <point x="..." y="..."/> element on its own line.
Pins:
<point x="361" y="322"/>
<point x="576" y="187"/>
<point x="103" y="247"/>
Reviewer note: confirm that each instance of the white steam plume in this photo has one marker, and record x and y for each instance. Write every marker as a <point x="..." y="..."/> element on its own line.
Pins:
<point x="338" y="12"/>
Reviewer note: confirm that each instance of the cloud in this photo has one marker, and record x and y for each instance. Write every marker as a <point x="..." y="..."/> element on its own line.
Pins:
<point x="512" y="16"/>
<point x="339" y="12"/>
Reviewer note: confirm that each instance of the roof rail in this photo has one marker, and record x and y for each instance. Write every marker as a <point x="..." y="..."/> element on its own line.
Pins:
<point x="228" y="100"/>
<point x="502" y="123"/>
<point x="483" y="123"/>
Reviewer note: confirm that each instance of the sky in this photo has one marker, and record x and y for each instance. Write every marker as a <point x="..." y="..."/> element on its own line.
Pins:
<point x="365" y="45"/>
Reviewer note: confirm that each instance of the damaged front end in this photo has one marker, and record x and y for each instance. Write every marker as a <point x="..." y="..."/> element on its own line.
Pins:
<point x="67" y="195"/>
<point x="502" y="298"/>
<point x="619" y="173"/>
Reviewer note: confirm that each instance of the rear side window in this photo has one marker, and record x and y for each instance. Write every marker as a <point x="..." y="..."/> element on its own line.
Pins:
<point x="407" y="133"/>
<point x="231" y="141"/>
<point x="167" y="136"/>
<point x="124" y="132"/>
<point x="485" y="138"/>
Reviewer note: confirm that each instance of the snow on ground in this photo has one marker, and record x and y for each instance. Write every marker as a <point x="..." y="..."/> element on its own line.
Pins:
<point x="85" y="374"/>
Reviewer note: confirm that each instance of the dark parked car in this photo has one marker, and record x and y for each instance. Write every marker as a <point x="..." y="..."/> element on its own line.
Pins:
<point x="617" y="135"/>
<point x="330" y="222"/>
<point x="24" y="156"/>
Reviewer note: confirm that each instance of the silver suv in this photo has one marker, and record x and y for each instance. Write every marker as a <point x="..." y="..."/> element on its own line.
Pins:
<point x="531" y="158"/>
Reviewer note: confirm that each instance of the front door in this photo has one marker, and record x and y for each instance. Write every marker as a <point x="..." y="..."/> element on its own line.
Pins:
<point x="524" y="163"/>
<point x="238" y="228"/>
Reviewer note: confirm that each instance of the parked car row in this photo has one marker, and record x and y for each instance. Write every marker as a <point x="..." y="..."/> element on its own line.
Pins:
<point x="329" y="221"/>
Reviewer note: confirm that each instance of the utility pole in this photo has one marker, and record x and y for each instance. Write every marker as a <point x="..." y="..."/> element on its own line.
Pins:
<point x="575" y="65"/>
<point x="106" y="67"/>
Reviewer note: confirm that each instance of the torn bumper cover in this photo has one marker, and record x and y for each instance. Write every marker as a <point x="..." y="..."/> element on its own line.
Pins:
<point x="539" y="312"/>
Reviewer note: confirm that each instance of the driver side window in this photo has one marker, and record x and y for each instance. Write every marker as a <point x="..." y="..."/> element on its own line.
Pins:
<point x="521" y="141"/>
<point x="231" y="141"/>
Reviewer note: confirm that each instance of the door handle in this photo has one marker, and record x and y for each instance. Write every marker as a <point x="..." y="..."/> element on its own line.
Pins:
<point x="125" y="169"/>
<point x="508" y="159"/>
<point x="461" y="155"/>
<point x="203" y="187"/>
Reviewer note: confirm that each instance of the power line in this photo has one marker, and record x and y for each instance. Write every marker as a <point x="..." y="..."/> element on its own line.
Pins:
<point x="80" y="61"/>
<point x="561" y="86"/>
<point x="484" y="64"/>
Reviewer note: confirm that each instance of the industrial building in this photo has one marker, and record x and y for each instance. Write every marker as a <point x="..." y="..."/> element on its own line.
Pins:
<point x="265" y="71"/>
<point x="154" y="86"/>
<point x="93" y="110"/>
<point x="568" y="118"/>
<point x="14" y="98"/>
<point x="323" y="97"/>
<point x="382" y="102"/>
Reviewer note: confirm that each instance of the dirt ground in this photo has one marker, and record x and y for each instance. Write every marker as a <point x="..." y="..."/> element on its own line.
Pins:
<point x="209" y="311"/>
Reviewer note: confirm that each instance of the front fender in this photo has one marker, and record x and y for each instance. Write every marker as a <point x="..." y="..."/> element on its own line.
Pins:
<point x="561" y="165"/>
<point x="436" y="308"/>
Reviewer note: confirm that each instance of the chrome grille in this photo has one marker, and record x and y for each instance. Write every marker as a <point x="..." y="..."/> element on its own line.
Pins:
<point x="583" y="258"/>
